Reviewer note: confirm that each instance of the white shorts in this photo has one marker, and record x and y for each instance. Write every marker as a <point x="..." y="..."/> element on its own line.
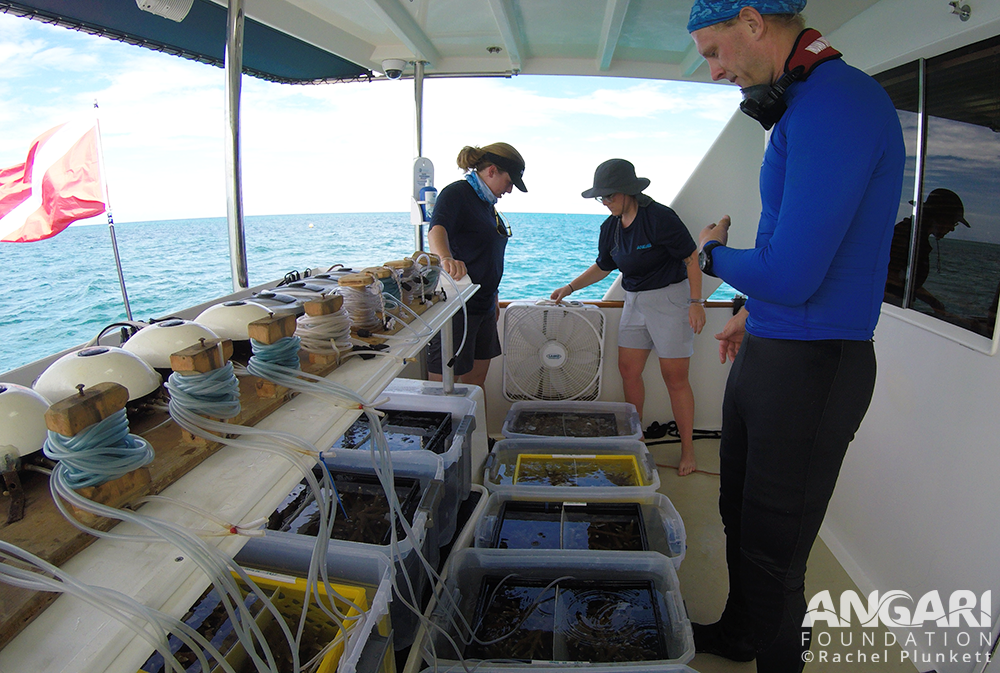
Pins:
<point x="658" y="320"/>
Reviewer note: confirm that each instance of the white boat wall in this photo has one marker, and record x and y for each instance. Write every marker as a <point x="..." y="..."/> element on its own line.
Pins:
<point x="915" y="506"/>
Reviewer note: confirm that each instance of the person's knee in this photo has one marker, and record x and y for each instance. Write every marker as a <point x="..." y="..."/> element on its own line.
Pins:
<point x="675" y="371"/>
<point x="629" y="372"/>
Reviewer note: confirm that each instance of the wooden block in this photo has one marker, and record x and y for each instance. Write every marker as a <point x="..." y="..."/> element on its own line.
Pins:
<point x="357" y="280"/>
<point x="325" y="306"/>
<point x="379" y="272"/>
<point x="203" y="357"/>
<point x="72" y="415"/>
<point x="197" y="440"/>
<point x="324" y="359"/>
<point x="435" y="260"/>
<point x="273" y="329"/>
<point x="116" y="493"/>
<point x="267" y="390"/>
<point x="399" y="264"/>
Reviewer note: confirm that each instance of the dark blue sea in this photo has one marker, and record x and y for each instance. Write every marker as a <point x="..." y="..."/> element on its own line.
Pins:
<point x="60" y="292"/>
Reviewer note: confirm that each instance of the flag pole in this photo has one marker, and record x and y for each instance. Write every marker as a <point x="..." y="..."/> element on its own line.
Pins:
<point x="111" y="219"/>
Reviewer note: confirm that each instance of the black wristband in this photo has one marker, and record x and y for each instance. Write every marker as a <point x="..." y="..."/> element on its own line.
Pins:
<point x="705" y="258"/>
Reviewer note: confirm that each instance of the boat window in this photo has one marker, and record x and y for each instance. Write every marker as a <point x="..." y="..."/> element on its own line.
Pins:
<point x="903" y="86"/>
<point x="946" y="250"/>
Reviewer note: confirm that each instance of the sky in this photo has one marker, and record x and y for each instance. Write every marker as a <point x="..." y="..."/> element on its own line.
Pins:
<point x="341" y="148"/>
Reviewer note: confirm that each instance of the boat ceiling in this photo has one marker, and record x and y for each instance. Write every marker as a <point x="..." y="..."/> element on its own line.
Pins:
<point x="323" y="40"/>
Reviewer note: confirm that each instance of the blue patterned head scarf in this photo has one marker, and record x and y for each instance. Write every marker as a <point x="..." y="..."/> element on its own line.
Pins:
<point x="706" y="13"/>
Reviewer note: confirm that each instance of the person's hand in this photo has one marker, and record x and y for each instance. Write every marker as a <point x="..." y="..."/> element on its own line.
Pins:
<point x="696" y="317"/>
<point x="715" y="232"/>
<point x="561" y="293"/>
<point x="731" y="336"/>
<point x="454" y="267"/>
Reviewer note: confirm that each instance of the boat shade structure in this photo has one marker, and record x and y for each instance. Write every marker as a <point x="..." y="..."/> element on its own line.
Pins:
<point x="200" y="36"/>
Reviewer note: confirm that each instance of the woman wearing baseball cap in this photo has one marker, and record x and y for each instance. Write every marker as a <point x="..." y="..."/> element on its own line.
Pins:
<point x="470" y="236"/>
<point x="658" y="261"/>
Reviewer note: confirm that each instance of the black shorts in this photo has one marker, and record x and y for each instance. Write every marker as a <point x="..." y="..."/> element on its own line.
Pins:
<point x="482" y="342"/>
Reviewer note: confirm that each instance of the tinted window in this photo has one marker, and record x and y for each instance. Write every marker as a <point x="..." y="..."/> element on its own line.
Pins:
<point x="954" y="262"/>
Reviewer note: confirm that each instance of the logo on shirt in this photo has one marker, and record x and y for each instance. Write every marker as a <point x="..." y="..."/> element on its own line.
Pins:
<point x="644" y="247"/>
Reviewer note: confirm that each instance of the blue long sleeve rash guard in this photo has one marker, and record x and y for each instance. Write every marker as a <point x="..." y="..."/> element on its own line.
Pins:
<point x="830" y="186"/>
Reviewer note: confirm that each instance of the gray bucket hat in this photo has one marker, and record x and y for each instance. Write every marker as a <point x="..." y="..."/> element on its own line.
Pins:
<point x="616" y="176"/>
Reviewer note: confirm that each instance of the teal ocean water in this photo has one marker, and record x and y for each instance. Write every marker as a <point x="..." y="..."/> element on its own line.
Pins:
<point x="60" y="292"/>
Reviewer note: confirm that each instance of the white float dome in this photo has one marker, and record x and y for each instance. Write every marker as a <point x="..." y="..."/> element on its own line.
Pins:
<point x="97" y="364"/>
<point x="155" y="343"/>
<point x="230" y="319"/>
<point x="22" y="418"/>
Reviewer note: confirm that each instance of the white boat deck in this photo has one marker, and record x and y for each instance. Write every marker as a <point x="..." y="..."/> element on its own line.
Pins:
<point x="703" y="572"/>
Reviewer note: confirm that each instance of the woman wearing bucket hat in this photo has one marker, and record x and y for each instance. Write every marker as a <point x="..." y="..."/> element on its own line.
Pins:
<point x="657" y="258"/>
<point x="471" y="237"/>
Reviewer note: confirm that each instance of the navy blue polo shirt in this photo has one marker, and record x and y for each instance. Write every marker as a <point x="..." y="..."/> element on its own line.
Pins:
<point x="650" y="252"/>
<point x="472" y="234"/>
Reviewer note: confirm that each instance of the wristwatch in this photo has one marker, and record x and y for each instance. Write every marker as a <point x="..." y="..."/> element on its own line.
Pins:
<point x="705" y="257"/>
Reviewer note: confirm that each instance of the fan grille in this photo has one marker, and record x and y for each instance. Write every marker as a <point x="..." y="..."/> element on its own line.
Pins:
<point x="527" y="330"/>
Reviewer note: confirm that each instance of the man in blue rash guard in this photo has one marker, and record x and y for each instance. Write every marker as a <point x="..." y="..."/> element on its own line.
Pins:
<point x="804" y="372"/>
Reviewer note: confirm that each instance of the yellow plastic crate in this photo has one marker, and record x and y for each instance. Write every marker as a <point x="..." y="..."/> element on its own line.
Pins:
<point x="288" y="595"/>
<point x="569" y="469"/>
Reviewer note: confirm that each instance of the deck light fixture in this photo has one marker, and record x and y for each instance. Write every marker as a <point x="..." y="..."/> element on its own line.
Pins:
<point x="175" y="10"/>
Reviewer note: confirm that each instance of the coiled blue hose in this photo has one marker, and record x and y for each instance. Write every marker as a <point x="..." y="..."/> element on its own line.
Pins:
<point x="101" y="453"/>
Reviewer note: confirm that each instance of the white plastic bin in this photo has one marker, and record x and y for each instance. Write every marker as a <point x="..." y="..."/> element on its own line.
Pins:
<point x="575" y="420"/>
<point x="663" y="530"/>
<point x="561" y="606"/>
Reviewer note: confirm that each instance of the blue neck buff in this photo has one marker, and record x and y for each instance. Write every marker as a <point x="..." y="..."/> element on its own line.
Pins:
<point x="481" y="189"/>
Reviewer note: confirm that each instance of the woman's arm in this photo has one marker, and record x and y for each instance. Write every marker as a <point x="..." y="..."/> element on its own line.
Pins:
<point x="592" y="275"/>
<point x="696" y="309"/>
<point x="437" y="236"/>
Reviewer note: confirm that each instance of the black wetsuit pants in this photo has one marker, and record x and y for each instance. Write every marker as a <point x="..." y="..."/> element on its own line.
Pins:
<point x="790" y="410"/>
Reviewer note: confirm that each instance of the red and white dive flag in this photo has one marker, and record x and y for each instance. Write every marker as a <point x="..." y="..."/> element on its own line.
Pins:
<point x="59" y="183"/>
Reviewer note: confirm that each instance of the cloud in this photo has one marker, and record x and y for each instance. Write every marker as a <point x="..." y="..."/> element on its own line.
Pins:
<point x="338" y="148"/>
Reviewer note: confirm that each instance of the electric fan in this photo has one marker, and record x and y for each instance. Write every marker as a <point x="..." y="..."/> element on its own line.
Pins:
<point x="552" y="351"/>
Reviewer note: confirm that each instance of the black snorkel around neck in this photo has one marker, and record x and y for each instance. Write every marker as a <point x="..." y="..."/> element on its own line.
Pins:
<point x="765" y="102"/>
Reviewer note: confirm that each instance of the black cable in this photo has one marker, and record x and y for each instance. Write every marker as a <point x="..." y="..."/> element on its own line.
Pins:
<point x="291" y="277"/>
<point x="655" y="431"/>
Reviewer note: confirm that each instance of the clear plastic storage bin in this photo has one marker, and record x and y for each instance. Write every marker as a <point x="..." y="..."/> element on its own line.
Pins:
<point x="409" y="549"/>
<point x="565" y="468"/>
<point x="575" y="420"/>
<point x="579" y="608"/>
<point x="456" y="456"/>
<point x="268" y="560"/>
<point x="533" y="522"/>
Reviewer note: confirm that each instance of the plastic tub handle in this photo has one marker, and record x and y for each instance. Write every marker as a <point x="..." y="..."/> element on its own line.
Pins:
<point x="430" y="499"/>
<point x="466" y="427"/>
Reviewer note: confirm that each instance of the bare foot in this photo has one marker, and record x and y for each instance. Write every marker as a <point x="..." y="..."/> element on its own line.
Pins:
<point x="688" y="464"/>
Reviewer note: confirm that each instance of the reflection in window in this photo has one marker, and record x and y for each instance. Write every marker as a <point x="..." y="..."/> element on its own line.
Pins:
<point x="904" y="89"/>
<point x="953" y="267"/>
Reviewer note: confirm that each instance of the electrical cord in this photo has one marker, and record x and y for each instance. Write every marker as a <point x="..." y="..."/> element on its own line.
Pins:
<point x="656" y="430"/>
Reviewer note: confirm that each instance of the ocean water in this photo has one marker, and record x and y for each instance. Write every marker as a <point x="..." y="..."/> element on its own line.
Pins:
<point x="61" y="292"/>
